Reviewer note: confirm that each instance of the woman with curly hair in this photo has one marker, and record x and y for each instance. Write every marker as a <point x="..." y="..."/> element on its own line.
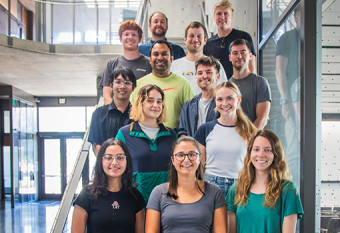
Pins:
<point x="148" y="140"/>
<point x="110" y="203"/>
<point x="264" y="199"/>
<point x="223" y="142"/>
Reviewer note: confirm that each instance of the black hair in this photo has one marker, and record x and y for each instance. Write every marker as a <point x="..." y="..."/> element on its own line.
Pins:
<point x="100" y="181"/>
<point x="125" y="72"/>
<point x="162" y="41"/>
<point x="240" y="42"/>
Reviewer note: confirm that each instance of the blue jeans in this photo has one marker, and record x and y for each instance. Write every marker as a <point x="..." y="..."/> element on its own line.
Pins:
<point x="222" y="182"/>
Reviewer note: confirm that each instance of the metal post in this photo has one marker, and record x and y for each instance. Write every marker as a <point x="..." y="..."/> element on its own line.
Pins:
<point x="9" y="18"/>
<point x="11" y="148"/>
<point x="74" y="23"/>
<point x="311" y="74"/>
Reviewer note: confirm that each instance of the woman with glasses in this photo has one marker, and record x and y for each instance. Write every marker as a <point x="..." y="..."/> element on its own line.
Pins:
<point x="148" y="140"/>
<point x="186" y="203"/>
<point x="223" y="142"/>
<point x="264" y="199"/>
<point x="110" y="203"/>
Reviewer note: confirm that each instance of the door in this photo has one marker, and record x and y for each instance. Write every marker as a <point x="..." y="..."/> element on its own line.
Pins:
<point x="58" y="155"/>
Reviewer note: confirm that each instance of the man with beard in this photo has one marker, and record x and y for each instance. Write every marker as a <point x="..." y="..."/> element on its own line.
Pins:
<point x="218" y="45"/>
<point x="255" y="90"/>
<point x="158" y="25"/>
<point x="200" y="109"/>
<point x="130" y="34"/>
<point x="176" y="89"/>
<point x="195" y="37"/>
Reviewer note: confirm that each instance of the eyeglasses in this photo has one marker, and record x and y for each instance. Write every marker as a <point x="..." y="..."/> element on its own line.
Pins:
<point x="222" y="42"/>
<point x="119" y="83"/>
<point x="109" y="158"/>
<point x="181" y="156"/>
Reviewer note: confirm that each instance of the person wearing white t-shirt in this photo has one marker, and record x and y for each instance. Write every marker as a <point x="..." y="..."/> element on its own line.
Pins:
<point x="195" y="37"/>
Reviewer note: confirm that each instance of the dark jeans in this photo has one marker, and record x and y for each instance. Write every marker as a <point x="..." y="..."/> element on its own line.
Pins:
<point x="222" y="182"/>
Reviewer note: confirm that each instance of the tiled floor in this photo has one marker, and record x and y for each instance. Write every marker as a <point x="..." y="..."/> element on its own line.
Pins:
<point x="36" y="217"/>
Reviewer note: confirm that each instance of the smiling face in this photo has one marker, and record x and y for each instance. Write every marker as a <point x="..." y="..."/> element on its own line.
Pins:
<point x="195" y="40"/>
<point x="240" y="56"/>
<point x="130" y="39"/>
<point x="160" y="59"/>
<point x="223" y="18"/>
<point x="206" y="77"/>
<point x="227" y="101"/>
<point x="153" y="105"/>
<point x="158" y="25"/>
<point x="186" y="167"/>
<point x="121" y="92"/>
<point x="115" y="168"/>
<point x="261" y="154"/>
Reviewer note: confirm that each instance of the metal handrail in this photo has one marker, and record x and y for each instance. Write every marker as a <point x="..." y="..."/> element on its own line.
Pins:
<point x="279" y="8"/>
<point x="203" y="15"/>
<point x="141" y="15"/>
<point x="66" y="201"/>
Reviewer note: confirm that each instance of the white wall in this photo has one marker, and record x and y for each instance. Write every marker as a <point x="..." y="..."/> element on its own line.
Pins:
<point x="330" y="164"/>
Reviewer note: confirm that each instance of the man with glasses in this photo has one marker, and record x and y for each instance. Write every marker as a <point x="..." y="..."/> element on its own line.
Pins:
<point x="255" y="90"/>
<point x="200" y="109"/>
<point x="218" y="45"/>
<point x="176" y="89"/>
<point x="108" y="119"/>
<point x="130" y="34"/>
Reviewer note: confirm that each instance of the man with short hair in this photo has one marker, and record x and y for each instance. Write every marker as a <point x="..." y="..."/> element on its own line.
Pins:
<point x="200" y="109"/>
<point x="130" y="34"/>
<point x="218" y="45"/>
<point x="255" y="90"/>
<point x="176" y="89"/>
<point x="158" y="25"/>
<point x="108" y="119"/>
<point x="195" y="38"/>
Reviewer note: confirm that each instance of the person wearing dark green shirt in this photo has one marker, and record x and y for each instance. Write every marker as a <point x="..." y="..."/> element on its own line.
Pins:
<point x="264" y="199"/>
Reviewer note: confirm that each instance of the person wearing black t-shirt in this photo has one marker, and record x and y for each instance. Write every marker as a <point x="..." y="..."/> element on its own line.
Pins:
<point x="110" y="203"/>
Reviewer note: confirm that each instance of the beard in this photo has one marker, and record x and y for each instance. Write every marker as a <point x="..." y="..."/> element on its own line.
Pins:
<point x="160" y="34"/>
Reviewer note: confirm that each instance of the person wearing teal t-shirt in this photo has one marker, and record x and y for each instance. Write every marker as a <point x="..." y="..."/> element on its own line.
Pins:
<point x="264" y="199"/>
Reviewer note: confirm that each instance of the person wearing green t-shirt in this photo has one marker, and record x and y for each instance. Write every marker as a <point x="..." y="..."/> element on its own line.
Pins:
<point x="264" y="199"/>
<point x="177" y="90"/>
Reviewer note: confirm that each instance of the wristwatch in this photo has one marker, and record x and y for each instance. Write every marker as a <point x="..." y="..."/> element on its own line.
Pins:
<point x="283" y="101"/>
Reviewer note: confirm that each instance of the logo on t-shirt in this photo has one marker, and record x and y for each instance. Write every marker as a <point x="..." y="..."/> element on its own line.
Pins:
<point x="168" y="89"/>
<point x="188" y="73"/>
<point x="115" y="205"/>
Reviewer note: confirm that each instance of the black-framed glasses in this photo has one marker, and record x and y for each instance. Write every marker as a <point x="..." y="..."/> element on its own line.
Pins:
<point x="181" y="156"/>
<point x="126" y="83"/>
<point x="222" y="42"/>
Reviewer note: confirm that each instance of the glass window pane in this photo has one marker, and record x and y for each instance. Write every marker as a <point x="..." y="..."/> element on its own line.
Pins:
<point x="7" y="125"/>
<point x="281" y="66"/>
<point x="62" y="24"/>
<point x="52" y="166"/>
<point x="271" y="11"/>
<point x="85" y="24"/>
<point x="73" y="146"/>
<point x="62" y="119"/>
<point x="16" y="115"/>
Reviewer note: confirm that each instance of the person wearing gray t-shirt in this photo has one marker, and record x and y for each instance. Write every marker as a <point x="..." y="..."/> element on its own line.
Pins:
<point x="255" y="90"/>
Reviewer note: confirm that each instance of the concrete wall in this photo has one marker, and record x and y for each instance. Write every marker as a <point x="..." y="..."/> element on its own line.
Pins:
<point x="180" y="14"/>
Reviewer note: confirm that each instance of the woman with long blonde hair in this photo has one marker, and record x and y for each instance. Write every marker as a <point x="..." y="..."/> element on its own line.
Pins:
<point x="223" y="142"/>
<point x="148" y="140"/>
<point x="264" y="199"/>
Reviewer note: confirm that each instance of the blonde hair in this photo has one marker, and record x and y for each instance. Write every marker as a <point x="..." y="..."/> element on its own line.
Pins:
<point x="224" y="4"/>
<point x="278" y="172"/>
<point x="244" y="127"/>
<point x="137" y="113"/>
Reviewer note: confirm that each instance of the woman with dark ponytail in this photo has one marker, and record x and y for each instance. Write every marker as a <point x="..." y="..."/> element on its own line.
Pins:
<point x="223" y="142"/>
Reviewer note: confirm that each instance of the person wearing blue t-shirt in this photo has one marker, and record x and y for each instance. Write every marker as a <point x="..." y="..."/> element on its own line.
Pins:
<point x="264" y="199"/>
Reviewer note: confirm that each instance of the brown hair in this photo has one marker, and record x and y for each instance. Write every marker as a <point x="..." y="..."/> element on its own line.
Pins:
<point x="224" y="4"/>
<point x="244" y="127"/>
<point x="195" y="24"/>
<point x="240" y="42"/>
<point x="150" y="17"/>
<point x="278" y="172"/>
<point x="137" y="113"/>
<point x="130" y="25"/>
<point x="208" y="61"/>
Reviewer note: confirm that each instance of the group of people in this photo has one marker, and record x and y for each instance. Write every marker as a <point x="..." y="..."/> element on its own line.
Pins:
<point x="198" y="163"/>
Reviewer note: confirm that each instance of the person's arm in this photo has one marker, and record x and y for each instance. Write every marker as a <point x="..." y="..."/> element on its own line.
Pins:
<point x="281" y="79"/>
<point x="182" y="121"/>
<point x="231" y="222"/>
<point x="289" y="223"/>
<point x="203" y="153"/>
<point x="79" y="220"/>
<point x="95" y="148"/>
<point x="252" y="65"/>
<point x="153" y="221"/>
<point x="139" y="224"/>
<point x="262" y="114"/>
<point x="107" y="94"/>
<point x="220" y="220"/>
